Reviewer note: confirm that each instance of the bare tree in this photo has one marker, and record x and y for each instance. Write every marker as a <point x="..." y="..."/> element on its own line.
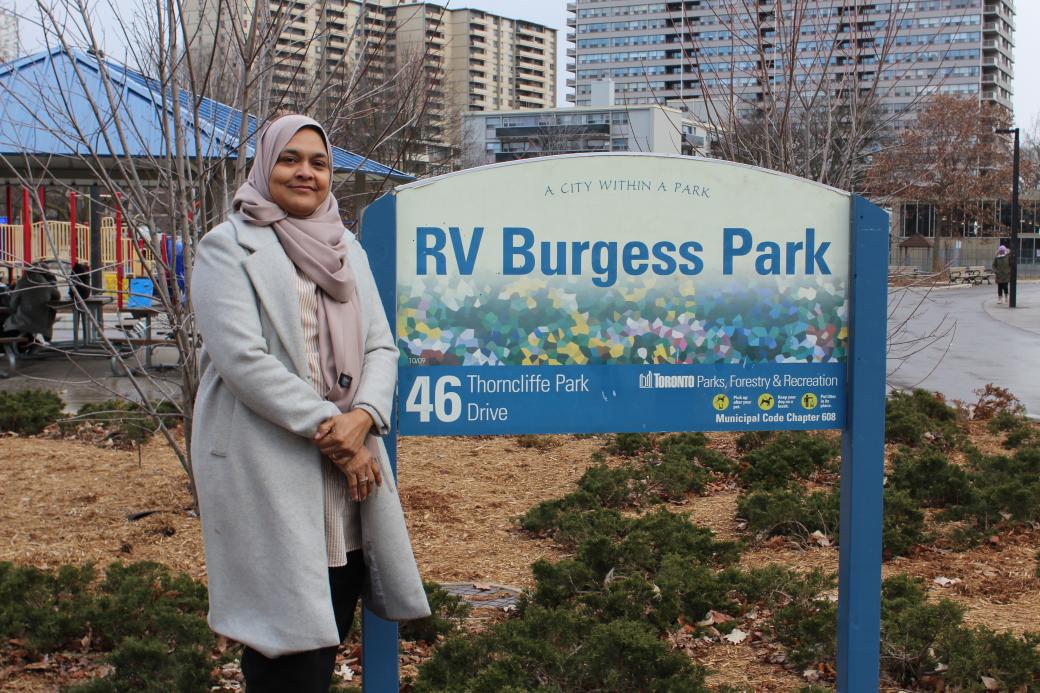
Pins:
<point x="182" y="185"/>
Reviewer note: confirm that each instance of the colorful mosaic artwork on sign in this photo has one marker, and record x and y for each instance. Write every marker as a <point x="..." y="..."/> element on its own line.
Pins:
<point x="534" y="322"/>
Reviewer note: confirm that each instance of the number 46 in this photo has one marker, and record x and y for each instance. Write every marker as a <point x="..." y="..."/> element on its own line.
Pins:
<point x="446" y="405"/>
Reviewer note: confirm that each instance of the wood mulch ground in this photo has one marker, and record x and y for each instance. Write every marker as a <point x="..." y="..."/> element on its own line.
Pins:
<point x="63" y="501"/>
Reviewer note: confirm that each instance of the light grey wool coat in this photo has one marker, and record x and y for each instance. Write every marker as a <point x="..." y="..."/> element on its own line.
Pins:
<point x="257" y="469"/>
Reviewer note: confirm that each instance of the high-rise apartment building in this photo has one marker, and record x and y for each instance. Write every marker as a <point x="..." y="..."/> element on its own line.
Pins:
<point x="443" y="61"/>
<point x="9" y="46"/>
<point x="679" y="50"/>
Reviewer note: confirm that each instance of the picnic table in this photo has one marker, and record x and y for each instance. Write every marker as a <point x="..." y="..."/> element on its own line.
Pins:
<point x="148" y="342"/>
<point x="974" y="274"/>
<point x="93" y="305"/>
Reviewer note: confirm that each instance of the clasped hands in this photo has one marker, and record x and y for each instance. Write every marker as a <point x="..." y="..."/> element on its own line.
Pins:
<point x="342" y="439"/>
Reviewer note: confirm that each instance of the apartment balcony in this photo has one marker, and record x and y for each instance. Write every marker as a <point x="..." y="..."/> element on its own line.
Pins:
<point x="997" y="97"/>
<point x="999" y="28"/>
<point x="996" y="78"/>
<point x="529" y="46"/>
<point x="572" y="7"/>
<point x="1004" y="47"/>
<point x="1000" y="9"/>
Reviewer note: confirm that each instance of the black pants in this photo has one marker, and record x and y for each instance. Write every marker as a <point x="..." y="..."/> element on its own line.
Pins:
<point x="311" y="671"/>
<point x="1002" y="289"/>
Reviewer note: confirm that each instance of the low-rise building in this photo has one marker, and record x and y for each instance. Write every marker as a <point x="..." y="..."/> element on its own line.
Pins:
<point x="493" y="136"/>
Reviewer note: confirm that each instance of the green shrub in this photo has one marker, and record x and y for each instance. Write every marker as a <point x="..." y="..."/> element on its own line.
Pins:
<point x="673" y="477"/>
<point x="762" y="585"/>
<point x="912" y="629"/>
<point x="151" y="624"/>
<point x="1002" y="485"/>
<point x="787" y="456"/>
<point x="47" y="609"/>
<point x="654" y="569"/>
<point x="30" y="411"/>
<point x="903" y="524"/>
<point x="630" y="444"/>
<point x="1007" y="421"/>
<point x="557" y="650"/>
<point x="127" y="422"/>
<point x="1019" y="437"/>
<point x="612" y="487"/>
<point x="929" y="478"/>
<point x="544" y="517"/>
<point x="1013" y="662"/>
<point x="692" y="448"/>
<point x="683" y="440"/>
<point x="148" y="666"/>
<point x="447" y="613"/>
<point x="751" y="440"/>
<point x="918" y="635"/>
<point x="918" y="417"/>
<point x="682" y="468"/>
<point x="806" y="622"/>
<point x="791" y="512"/>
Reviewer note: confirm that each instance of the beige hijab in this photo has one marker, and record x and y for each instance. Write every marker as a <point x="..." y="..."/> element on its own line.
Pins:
<point x="317" y="246"/>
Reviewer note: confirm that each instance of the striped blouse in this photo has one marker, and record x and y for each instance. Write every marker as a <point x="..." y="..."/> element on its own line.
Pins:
<point x="342" y="519"/>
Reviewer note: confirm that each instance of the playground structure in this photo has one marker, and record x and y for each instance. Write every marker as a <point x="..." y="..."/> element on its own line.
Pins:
<point x="63" y="154"/>
<point x="28" y="241"/>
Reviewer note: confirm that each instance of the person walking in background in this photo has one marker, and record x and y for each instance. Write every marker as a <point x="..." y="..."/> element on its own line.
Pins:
<point x="299" y="511"/>
<point x="1002" y="270"/>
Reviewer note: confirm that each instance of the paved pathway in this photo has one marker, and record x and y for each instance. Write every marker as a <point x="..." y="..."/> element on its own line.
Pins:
<point x="982" y="342"/>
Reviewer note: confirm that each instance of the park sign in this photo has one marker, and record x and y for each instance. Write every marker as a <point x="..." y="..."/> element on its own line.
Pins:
<point x="600" y="293"/>
<point x="631" y="292"/>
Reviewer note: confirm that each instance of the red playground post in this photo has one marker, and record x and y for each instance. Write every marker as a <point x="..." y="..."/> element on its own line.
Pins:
<point x="73" y="240"/>
<point x="26" y="227"/>
<point x="119" y="251"/>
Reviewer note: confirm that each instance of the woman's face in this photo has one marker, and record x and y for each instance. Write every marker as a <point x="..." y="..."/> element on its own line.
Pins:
<point x="299" y="182"/>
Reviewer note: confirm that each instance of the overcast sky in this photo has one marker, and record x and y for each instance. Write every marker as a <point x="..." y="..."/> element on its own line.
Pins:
<point x="553" y="13"/>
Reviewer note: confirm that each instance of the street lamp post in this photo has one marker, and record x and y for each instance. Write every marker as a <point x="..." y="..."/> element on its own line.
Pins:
<point x="1012" y="288"/>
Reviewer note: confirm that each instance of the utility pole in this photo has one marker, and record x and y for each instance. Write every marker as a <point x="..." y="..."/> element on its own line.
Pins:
<point x="1013" y="286"/>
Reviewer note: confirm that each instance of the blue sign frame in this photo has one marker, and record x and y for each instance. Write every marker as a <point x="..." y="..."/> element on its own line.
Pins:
<point x="862" y="463"/>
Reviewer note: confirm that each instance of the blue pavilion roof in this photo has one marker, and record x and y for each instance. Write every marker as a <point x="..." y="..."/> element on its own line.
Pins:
<point x="46" y="111"/>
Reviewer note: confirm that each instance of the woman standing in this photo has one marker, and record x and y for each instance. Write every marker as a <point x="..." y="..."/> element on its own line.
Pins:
<point x="1002" y="270"/>
<point x="298" y="505"/>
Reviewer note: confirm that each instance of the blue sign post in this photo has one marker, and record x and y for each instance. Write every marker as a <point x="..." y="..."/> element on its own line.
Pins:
<point x="618" y="293"/>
